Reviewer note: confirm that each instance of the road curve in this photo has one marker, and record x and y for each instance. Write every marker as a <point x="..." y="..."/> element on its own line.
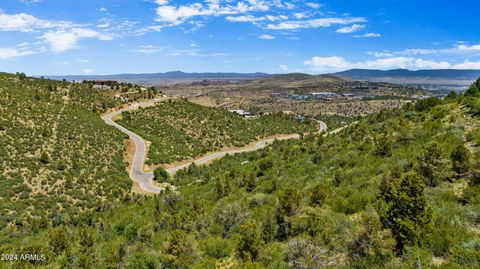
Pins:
<point x="144" y="179"/>
<point x="260" y="144"/>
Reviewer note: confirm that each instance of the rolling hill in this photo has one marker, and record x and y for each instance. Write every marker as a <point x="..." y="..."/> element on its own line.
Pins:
<point x="446" y="77"/>
<point x="297" y="80"/>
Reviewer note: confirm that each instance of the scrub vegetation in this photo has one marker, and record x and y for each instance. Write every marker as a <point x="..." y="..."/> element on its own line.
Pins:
<point x="398" y="189"/>
<point x="179" y="129"/>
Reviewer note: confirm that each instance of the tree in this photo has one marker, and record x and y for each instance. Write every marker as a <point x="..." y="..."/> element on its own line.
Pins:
<point x="250" y="241"/>
<point x="287" y="206"/>
<point x="318" y="194"/>
<point x="289" y="201"/>
<point x="141" y="260"/>
<point x="179" y="249"/>
<point x="407" y="213"/>
<point x="250" y="182"/>
<point x="44" y="158"/>
<point x="58" y="240"/>
<point x="222" y="188"/>
<point x="461" y="157"/>
<point x="161" y="175"/>
<point x="432" y="166"/>
<point x="426" y="104"/>
<point x="383" y="146"/>
<point x="372" y="244"/>
<point x="474" y="89"/>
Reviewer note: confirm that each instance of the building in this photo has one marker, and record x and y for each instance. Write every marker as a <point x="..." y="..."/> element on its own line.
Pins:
<point x="240" y="112"/>
<point x="299" y="118"/>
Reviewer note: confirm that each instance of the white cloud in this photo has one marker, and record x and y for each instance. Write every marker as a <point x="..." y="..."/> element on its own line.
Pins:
<point x="457" y="49"/>
<point x="467" y="65"/>
<point x="27" y="23"/>
<point x="30" y="1"/>
<point x="247" y="18"/>
<point x="253" y="19"/>
<point x="313" y="5"/>
<point x="336" y="63"/>
<point x="175" y="15"/>
<point x="102" y="9"/>
<point x="266" y="37"/>
<point x="6" y="53"/>
<point x="300" y="15"/>
<point x="328" y="63"/>
<point x="60" y="35"/>
<point x="471" y="48"/>
<point x="148" y="49"/>
<point x="350" y="29"/>
<point x="314" y="23"/>
<point x="161" y="2"/>
<point x="63" y="40"/>
<point x="368" y="35"/>
<point x="283" y="67"/>
<point x="380" y="54"/>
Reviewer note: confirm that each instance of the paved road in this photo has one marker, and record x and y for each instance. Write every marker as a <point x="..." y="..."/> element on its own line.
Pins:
<point x="260" y="144"/>
<point x="144" y="179"/>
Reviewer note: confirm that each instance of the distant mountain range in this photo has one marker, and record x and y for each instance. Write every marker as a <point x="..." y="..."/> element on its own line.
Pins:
<point x="434" y="79"/>
<point x="165" y="78"/>
<point x="440" y="77"/>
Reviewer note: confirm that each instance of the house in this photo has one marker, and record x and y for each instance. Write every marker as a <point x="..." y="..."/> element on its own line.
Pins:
<point x="299" y="118"/>
<point x="240" y="112"/>
<point x="324" y="95"/>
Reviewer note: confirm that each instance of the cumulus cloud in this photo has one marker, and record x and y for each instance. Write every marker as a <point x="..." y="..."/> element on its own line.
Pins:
<point x="6" y="53"/>
<point x="27" y="23"/>
<point x="63" y="40"/>
<point x="467" y="65"/>
<point x="60" y="36"/>
<point x="170" y="14"/>
<point x="463" y="47"/>
<point x="283" y="67"/>
<point x="175" y="15"/>
<point x="314" y="23"/>
<point x="350" y="29"/>
<point x="337" y="63"/>
<point x="458" y="49"/>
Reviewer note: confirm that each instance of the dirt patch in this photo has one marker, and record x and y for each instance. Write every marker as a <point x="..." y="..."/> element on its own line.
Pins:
<point x="136" y="189"/>
<point x="129" y="153"/>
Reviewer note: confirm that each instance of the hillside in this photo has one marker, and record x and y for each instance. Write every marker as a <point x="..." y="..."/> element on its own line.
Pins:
<point x="297" y="80"/>
<point x="446" y="77"/>
<point x="57" y="157"/>
<point x="181" y="130"/>
<point x="398" y="189"/>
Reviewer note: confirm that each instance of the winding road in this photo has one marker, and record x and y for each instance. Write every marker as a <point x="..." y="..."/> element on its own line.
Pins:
<point x="145" y="179"/>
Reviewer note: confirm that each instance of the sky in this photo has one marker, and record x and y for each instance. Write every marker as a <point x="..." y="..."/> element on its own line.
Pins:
<point x="61" y="37"/>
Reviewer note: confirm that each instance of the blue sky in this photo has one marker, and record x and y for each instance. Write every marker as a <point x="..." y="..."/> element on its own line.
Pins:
<point x="59" y="37"/>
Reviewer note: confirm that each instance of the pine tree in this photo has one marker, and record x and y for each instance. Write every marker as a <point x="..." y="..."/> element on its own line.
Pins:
<point x="407" y="213"/>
